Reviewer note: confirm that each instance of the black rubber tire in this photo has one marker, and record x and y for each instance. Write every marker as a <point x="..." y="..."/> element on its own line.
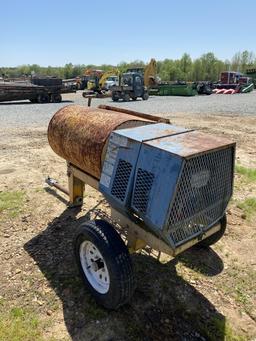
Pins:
<point x="214" y="238"/>
<point x="115" y="97"/>
<point x="56" y="98"/>
<point x="126" y="97"/>
<point x="145" y="96"/>
<point x="134" y="98"/>
<point x="44" y="98"/>
<point x="117" y="260"/>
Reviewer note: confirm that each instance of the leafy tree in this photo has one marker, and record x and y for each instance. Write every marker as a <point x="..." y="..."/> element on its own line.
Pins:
<point x="186" y="65"/>
<point x="206" y="67"/>
<point x="68" y="70"/>
<point x="197" y="71"/>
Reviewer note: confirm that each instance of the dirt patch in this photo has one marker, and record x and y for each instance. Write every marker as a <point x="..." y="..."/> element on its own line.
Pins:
<point x="200" y="295"/>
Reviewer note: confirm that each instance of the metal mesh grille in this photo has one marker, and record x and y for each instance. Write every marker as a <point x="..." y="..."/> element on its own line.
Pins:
<point x="204" y="189"/>
<point x="121" y="180"/>
<point x="143" y="186"/>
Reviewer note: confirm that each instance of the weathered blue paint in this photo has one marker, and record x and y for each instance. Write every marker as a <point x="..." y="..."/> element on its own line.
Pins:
<point x="167" y="176"/>
<point x="119" y="149"/>
<point x="151" y="131"/>
<point x="127" y="145"/>
<point x="190" y="144"/>
<point x="166" y="169"/>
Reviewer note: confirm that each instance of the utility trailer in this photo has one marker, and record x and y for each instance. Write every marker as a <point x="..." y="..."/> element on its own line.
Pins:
<point x="39" y="90"/>
<point x="13" y="91"/>
<point x="53" y="89"/>
<point x="168" y="188"/>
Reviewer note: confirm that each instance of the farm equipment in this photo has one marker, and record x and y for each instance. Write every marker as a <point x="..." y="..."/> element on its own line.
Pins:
<point x="148" y="72"/>
<point x="203" y="88"/>
<point x="178" y="88"/>
<point x="131" y="86"/>
<point x="167" y="186"/>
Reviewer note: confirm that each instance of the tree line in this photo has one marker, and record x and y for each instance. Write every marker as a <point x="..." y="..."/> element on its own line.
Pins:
<point x="208" y="67"/>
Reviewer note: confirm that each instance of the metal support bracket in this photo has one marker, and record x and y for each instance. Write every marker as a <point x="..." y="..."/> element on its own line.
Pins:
<point x="76" y="181"/>
<point x="137" y="235"/>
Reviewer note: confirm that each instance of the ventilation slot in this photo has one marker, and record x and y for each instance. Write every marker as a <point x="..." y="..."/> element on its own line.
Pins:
<point x="121" y="180"/>
<point x="142" y="190"/>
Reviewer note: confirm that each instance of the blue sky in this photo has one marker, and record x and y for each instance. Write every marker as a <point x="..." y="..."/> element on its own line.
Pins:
<point x="84" y="32"/>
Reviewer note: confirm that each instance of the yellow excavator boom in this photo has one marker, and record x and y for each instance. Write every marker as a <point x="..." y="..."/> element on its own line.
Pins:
<point x="104" y="77"/>
<point x="150" y="73"/>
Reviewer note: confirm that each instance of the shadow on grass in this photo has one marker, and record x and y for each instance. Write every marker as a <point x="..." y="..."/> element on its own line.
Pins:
<point x="164" y="306"/>
<point x="203" y="260"/>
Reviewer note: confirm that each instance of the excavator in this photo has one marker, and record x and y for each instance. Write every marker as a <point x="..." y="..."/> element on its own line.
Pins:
<point x="82" y="81"/>
<point x="141" y="79"/>
<point x="100" y="81"/>
<point x="150" y="78"/>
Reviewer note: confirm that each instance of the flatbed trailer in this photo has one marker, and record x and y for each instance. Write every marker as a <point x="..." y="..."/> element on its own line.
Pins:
<point x="35" y="93"/>
<point x="13" y="91"/>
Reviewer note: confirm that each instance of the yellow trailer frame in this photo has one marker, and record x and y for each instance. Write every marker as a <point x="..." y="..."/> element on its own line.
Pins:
<point x="137" y="234"/>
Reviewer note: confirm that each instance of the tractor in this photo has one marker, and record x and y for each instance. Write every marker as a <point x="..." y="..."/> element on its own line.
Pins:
<point x="131" y="86"/>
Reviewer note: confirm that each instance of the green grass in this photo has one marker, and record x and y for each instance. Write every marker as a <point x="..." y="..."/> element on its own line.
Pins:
<point x="239" y="283"/>
<point x="39" y="190"/>
<point x="18" y="324"/>
<point x="217" y="328"/>
<point x="94" y="311"/>
<point x="11" y="202"/>
<point x="248" y="206"/>
<point x="248" y="173"/>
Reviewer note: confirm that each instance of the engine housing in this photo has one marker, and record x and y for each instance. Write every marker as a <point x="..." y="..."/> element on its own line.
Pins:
<point x="178" y="181"/>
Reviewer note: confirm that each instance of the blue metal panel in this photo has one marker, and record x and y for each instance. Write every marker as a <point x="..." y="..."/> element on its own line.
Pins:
<point x="170" y="177"/>
<point x="151" y="131"/>
<point x="190" y="144"/>
<point x="118" y="170"/>
<point x="152" y="204"/>
<point x="121" y="158"/>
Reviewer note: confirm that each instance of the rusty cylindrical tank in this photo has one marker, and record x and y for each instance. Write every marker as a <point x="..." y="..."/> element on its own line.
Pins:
<point x="79" y="134"/>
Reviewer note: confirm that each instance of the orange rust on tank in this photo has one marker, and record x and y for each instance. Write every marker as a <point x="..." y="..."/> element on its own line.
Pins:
<point x="79" y="134"/>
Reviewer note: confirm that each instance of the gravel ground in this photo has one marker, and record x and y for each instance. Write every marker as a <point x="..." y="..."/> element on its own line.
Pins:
<point x="24" y="113"/>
